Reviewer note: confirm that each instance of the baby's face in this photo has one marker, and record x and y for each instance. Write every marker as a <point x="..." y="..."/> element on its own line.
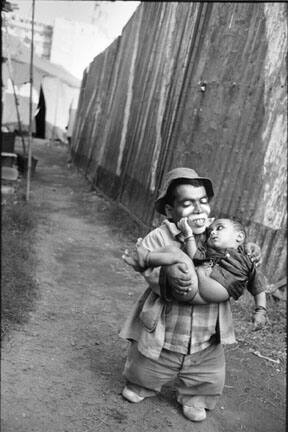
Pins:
<point x="222" y="234"/>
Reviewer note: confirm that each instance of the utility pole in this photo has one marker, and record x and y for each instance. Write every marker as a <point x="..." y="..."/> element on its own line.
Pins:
<point x="30" y="106"/>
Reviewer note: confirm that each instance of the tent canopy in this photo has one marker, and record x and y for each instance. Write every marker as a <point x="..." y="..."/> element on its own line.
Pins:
<point x="20" y="54"/>
<point x="60" y="89"/>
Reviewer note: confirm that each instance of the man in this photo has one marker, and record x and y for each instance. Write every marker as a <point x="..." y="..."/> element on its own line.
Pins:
<point x="172" y="339"/>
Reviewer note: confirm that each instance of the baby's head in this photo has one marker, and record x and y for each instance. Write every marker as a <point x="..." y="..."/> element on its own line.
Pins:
<point x="226" y="233"/>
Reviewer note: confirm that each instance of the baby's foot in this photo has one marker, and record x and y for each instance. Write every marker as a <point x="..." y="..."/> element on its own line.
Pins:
<point x="137" y="258"/>
<point x="129" y="259"/>
<point x="142" y="253"/>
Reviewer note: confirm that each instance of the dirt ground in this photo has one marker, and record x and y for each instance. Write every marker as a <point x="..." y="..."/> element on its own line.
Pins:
<point x="62" y="371"/>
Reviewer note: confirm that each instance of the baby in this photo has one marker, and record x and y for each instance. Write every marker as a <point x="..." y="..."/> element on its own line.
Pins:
<point x="221" y="268"/>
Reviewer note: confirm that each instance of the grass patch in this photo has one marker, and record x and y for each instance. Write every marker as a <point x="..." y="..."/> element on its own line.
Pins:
<point x="271" y="340"/>
<point x="18" y="283"/>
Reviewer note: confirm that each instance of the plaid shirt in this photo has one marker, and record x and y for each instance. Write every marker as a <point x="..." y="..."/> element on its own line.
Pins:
<point x="182" y="328"/>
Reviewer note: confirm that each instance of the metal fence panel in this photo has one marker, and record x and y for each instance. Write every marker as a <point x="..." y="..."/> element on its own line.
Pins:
<point x="194" y="84"/>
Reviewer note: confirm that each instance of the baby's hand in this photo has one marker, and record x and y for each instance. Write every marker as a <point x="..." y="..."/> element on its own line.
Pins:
<point x="259" y="319"/>
<point x="184" y="227"/>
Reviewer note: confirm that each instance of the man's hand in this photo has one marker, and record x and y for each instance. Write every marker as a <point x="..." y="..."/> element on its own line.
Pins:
<point x="179" y="277"/>
<point x="254" y="252"/>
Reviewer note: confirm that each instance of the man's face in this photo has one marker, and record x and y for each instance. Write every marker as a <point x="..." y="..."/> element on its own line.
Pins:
<point x="191" y="202"/>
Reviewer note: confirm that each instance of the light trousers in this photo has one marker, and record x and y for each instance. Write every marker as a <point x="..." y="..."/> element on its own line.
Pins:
<point x="200" y="376"/>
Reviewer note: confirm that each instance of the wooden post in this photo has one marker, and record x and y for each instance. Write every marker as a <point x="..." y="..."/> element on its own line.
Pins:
<point x="30" y="107"/>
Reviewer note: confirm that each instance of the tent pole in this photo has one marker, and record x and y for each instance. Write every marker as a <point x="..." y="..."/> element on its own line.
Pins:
<point x="30" y="106"/>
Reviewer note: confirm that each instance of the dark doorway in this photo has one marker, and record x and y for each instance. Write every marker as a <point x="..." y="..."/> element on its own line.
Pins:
<point x="40" y="117"/>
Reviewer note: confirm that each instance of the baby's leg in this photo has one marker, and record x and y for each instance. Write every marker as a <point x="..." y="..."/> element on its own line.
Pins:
<point x="188" y="293"/>
<point x="164" y="256"/>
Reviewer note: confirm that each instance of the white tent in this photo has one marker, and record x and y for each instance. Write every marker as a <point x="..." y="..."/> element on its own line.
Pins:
<point x="55" y="91"/>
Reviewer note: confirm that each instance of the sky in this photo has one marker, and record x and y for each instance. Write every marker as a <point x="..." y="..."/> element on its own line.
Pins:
<point x="114" y="14"/>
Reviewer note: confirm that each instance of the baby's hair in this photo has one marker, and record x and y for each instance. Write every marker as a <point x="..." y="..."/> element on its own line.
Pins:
<point x="170" y="195"/>
<point x="238" y="226"/>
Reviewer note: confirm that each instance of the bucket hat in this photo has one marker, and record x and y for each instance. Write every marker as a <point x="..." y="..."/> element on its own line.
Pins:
<point x="176" y="174"/>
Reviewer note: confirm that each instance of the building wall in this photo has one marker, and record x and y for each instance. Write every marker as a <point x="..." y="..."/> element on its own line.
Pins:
<point x="194" y="84"/>
<point x="22" y="28"/>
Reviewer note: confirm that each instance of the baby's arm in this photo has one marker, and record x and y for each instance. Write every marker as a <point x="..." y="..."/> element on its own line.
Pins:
<point x="260" y="300"/>
<point x="256" y="287"/>
<point x="189" y="239"/>
<point x="260" y="317"/>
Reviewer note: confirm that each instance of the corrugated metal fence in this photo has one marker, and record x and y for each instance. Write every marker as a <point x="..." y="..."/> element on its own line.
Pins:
<point x="200" y="85"/>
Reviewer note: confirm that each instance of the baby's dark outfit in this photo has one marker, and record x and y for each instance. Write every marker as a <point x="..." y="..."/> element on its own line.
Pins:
<point x="232" y="268"/>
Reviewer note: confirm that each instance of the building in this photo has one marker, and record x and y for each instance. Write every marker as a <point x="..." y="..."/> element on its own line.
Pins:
<point x="54" y="94"/>
<point x="22" y="28"/>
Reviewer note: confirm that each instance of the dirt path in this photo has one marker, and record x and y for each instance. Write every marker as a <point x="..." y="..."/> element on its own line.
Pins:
<point x="62" y="372"/>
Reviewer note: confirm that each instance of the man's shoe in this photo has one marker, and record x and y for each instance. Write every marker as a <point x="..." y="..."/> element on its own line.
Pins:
<point x="131" y="396"/>
<point x="193" y="413"/>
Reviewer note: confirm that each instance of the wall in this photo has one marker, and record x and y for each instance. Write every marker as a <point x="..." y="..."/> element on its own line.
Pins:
<point x="200" y="85"/>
